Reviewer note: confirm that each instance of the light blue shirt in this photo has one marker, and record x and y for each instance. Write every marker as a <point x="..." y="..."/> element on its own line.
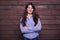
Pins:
<point x="32" y="31"/>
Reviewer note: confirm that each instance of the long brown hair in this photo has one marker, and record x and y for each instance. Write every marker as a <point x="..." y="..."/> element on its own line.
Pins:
<point x="35" y="16"/>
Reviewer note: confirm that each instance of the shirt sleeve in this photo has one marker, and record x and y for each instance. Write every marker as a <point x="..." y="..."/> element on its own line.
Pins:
<point x="23" y="30"/>
<point x="37" y="27"/>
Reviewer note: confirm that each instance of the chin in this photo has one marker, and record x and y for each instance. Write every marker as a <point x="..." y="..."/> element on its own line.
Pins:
<point x="30" y="13"/>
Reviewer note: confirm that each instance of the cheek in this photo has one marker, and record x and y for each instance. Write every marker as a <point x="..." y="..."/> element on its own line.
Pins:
<point x="30" y="10"/>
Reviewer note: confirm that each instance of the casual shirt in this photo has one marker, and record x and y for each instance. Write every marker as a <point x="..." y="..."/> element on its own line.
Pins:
<point x="32" y="31"/>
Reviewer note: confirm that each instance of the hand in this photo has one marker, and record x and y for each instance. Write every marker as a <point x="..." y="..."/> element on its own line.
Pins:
<point x="26" y="27"/>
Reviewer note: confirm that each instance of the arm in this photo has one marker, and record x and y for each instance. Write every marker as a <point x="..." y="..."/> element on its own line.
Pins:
<point x="23" y="30"/>
<point x="37" y="27"/>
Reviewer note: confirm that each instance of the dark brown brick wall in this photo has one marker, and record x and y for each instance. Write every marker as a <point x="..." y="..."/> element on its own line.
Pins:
<point x="12" y="10"/>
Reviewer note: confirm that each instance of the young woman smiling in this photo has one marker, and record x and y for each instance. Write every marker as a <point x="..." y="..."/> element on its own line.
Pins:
<point x="30" y="23"/>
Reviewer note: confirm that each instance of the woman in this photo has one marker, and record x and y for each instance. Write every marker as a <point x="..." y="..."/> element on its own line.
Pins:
<point x="30" y="23"/>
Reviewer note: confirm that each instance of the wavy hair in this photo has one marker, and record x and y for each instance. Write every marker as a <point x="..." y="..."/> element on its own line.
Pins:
<point x="35" y="16"/>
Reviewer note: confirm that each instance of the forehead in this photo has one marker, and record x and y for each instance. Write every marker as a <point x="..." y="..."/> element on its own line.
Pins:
<point x="29" y="5"/>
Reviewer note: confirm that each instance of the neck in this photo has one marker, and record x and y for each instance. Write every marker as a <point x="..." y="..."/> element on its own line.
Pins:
<point x="29" y="15"/>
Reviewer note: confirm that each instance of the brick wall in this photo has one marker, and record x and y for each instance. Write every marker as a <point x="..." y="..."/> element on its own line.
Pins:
<point x="12" y="10"/>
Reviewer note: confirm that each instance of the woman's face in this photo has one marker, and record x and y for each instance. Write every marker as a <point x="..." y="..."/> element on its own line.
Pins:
<point x="29" y="9"/>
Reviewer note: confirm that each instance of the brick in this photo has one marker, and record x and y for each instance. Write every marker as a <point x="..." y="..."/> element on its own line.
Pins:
<point x="42" y="7"/>
<point x="49" y="32"/>
<point x="40" y="1"/>
<point x="50" y="17"/>
<point x="8" y="28"/>
<point x="7" y="3"/>
<point x="51" y="27"/>
<point x="11" y="10"/>
<point x="22" y="2"/>
<point x="55" y="12"/>
<point x="57" y="7"/>
<point x="7" y="38"/>
<point x="50" y="22"/>
<point x="49" y="36"/>
<point x="51" y="7"/>
<point x="44" y="12"/>
<point x="49" y="12"/>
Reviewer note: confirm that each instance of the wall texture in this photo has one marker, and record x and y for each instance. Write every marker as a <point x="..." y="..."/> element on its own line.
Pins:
<point x="12" y="10"/>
